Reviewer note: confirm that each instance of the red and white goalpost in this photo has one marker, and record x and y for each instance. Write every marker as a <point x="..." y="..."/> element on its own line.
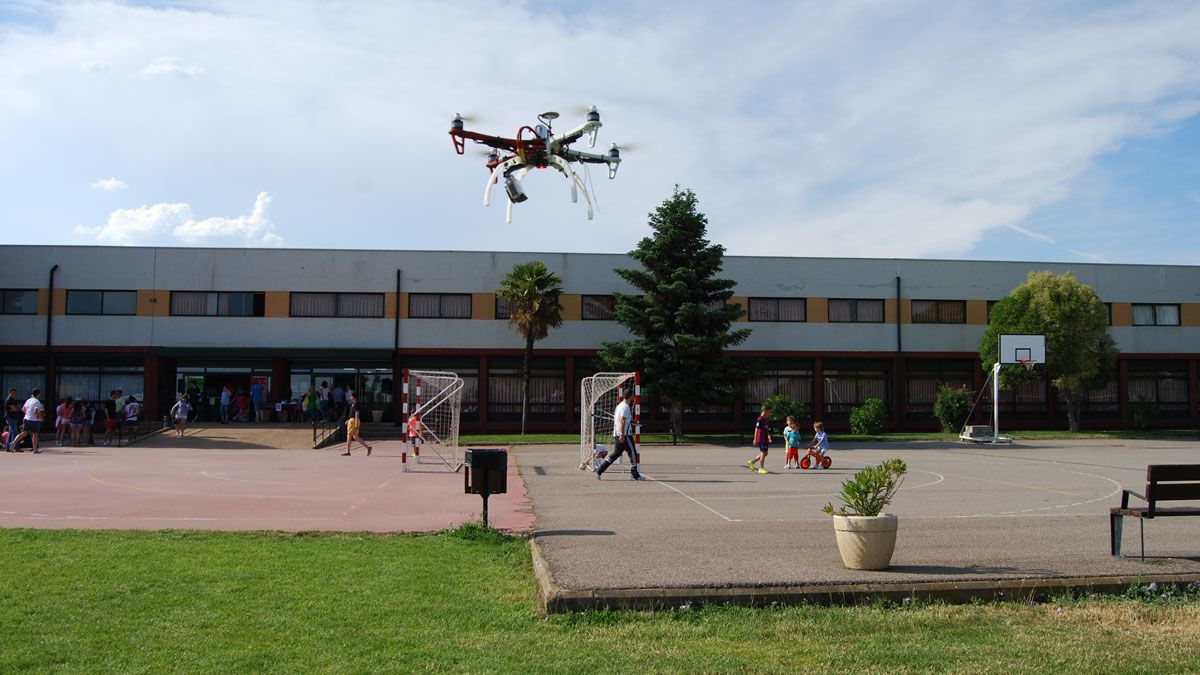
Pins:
<point x="597" y="402"/>
<point x="435" y="397"/>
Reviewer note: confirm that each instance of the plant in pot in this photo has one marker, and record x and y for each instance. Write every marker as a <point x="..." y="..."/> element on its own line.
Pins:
<point x="866" y="536"/>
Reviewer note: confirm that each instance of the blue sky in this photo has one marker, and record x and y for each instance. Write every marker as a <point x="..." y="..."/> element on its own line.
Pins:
<point x="923" y="129"/>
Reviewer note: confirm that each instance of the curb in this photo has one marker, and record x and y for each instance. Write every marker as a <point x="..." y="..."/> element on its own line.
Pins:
<point x="555" y="599"/>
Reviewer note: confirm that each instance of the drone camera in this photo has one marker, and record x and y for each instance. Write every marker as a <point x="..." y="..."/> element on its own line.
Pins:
<point x="515" y="194"/>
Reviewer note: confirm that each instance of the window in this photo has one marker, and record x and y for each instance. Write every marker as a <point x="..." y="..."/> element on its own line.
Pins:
<point x="339" y="305"/>
<point x="599" y="307"/>
<point x="1156" y="315"/>
<point x="20" y="302"/>
<point x="102" y="302"/>
<point x="778" y="309"/>
<point x="207" y="303"/>
<point x="439" y="306"/>
<point x="939" y="311"/>
<point x="502" y="309"/>
<point x="856" y="311"/>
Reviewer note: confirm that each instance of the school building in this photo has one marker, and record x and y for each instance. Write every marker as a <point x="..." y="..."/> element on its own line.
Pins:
<point x="832" y="332"/>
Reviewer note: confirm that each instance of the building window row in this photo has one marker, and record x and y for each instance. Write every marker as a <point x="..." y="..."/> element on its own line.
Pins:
<point x="117" y="303"/>
<point x="337" y="305"/>
<point x="19" y="301"/>
<point x="939" y="311"/>
<point x="856" y="311"/>
<point x="778" y="309"/>
<point x="1156" y="315"/>
<point x="211" y="303"/>
<point x="438" y="306"/>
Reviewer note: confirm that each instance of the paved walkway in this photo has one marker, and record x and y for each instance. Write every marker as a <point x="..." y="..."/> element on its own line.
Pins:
<point x="236" y="488"/>
<point x="1033" y="510"/>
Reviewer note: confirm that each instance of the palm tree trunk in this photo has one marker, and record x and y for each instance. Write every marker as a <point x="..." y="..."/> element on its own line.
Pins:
<point x="525" y="382"/>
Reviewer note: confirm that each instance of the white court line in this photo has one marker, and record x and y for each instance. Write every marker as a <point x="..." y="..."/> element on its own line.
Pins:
<point x="727" y="518"/>
<point x="239" y="480"/>
<point x="940" y="478"/>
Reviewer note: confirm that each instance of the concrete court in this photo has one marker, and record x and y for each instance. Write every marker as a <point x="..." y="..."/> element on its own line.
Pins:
<point x="1036" y="509"/>
<point x="238" y="488"/>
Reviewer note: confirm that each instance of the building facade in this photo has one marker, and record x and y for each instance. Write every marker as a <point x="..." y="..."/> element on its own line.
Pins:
<point x="831" y="332"/>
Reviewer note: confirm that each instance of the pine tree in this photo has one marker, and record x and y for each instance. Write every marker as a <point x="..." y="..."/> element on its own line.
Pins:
<point x="681" y="318"/>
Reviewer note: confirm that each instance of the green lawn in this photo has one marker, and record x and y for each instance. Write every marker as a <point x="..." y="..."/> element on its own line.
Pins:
<point x="464" y="601"/>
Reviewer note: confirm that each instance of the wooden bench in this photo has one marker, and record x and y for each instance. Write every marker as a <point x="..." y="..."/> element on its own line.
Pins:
<point x="1164" y="483"/>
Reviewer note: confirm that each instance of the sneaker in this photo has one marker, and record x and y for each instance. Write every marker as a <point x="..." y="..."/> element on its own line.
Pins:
<point x="368" y="451"/>
<point x="38" y="451"/>
<point x="763" y="471"/>
<point x="750" y="465"/>
<point x="597" y="472"/>
<point x="345" y="454"/>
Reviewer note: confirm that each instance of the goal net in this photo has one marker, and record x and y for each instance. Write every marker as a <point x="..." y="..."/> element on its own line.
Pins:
<point x="597" y="402"/>
<point x="431" y="406"/>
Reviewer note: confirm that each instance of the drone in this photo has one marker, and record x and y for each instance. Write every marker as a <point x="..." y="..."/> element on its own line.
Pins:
<point x="537" y="147"/>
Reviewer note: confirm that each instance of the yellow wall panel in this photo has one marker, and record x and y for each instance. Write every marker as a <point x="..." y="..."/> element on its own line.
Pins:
<point x="389" y="305"/>
<point x="60" y="301"/>
<point x="817" y="310"/>
<point x="483" y="306"/>
<point x="277" y="304"/>
<point x="572" y="306"/>
<point x="1122" y="314"/>
<point x="154" y="303"/>
<point x="403" y="304"/>
<point x="905" y="310"/>
<point x="977" y="312"/>
<point x="744" y="303"/>
<point x="43" y="301"/>
<point x="1189" y="314"/>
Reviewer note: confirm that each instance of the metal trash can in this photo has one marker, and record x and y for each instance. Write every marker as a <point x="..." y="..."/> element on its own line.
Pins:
<point x="485" y="473"/>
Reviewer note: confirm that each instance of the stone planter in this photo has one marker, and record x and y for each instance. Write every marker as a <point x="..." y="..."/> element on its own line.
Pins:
<point x="866" y="542"/>
<point x="377" y="415"/>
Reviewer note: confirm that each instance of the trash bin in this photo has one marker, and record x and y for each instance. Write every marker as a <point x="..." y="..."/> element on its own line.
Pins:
<point x="485" y="473"/>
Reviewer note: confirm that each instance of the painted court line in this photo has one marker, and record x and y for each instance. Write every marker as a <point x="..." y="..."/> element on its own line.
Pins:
<point x="697" y="501"/>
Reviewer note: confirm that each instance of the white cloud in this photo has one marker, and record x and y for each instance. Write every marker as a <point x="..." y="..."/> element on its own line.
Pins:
<point x="253" y="228"/>
<point x="110" y="184"/>
<point x="170" y="66"/>
<point x="158" y="223"/>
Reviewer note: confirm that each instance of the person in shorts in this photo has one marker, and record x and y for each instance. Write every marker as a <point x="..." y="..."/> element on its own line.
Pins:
<point x="819" y="446"/>
<point x="791" y="438"/>
<point x="762" y="438"/>
<point x="352" y="426"/>
<point x="180" y="411"/>
<point x="34" y="412"/>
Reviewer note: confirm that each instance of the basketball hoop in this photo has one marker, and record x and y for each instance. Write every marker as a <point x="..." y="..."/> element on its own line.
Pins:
<point x="1028" y="363"/>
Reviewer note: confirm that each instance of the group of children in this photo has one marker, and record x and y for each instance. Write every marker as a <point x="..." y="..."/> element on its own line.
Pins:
<point x="818" y="448"/>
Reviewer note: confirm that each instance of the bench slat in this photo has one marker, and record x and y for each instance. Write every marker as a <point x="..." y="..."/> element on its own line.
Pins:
<point x="1172" y="472"/>
<point x="1142" y="512"/>
<point x="1172" y="492"/>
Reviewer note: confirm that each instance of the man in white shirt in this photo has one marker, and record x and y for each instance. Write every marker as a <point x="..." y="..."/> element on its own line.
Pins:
<point x="622" y="439"/>
<point x="34" y="413"/>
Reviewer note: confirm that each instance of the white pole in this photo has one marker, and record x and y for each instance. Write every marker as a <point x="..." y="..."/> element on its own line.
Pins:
<point x="996" y="402"/>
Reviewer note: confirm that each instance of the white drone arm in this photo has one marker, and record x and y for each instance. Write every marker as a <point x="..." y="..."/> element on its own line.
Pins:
<point x="576" y="184"/>
<point x="578" y="132"/>
<point x="495" y="176"/>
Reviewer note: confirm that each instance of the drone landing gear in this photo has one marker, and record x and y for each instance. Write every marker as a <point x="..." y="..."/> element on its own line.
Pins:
<point x="514" y="169"/>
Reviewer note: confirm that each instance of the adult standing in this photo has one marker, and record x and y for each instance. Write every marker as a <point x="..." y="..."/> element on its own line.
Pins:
<point x="622" y="439"/>
<point x="34" y="412"/>
<point x="12" y="417"/>
<point x="352" y="427"/>
<point x="339" y="399"/>
<point x="110" y="416"/>
<point x="256" y="400"/>
<point x="324" y="399"/>
<point x="226" y="402"/>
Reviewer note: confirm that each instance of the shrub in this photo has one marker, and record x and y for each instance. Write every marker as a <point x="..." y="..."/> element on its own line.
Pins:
<point x="952" y="407"/>
<point x="869" y="491"/>
<point x="868" y="418"/>
<point x="784" y="406"/>
<point x="1145" y="413"/>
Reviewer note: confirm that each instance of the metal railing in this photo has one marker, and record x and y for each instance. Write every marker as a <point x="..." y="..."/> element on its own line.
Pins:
<point x="326" y="432"/>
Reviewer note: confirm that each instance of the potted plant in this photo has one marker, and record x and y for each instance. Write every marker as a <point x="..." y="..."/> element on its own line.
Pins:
<point x="866" y="536"/>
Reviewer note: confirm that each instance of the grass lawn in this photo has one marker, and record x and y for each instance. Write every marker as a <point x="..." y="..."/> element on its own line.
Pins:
<point x="464" y="601"/>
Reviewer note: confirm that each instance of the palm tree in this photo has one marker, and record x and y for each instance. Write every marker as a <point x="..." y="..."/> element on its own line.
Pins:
<point x="531" y="291"/>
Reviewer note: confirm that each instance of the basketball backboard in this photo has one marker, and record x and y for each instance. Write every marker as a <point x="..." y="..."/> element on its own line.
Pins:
<point x="1028" y="349"/>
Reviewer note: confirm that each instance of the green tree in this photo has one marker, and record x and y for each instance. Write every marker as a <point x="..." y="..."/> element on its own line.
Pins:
<point x="1080" y="354"/>
<point x="532" y="293"/>
<point x="681" y="318"/>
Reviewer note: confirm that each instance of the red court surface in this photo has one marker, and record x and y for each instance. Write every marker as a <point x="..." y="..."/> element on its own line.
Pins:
<point x="147" y="488"/>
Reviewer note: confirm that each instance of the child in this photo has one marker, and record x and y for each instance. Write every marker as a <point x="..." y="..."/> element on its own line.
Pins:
<point x="791" y="437"/>
<point x="820" y="443"/>
<point x="762" y="438"/>
<point x="180" y="410"/>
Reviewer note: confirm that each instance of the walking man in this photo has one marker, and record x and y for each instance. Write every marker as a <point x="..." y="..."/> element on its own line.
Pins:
<point x="622" y="439"/>
<point x="110" y="416"/>
<point x="35" y="412"/>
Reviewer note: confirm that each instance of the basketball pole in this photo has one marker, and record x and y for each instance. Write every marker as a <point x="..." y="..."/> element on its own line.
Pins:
<point x="996" y="402"/>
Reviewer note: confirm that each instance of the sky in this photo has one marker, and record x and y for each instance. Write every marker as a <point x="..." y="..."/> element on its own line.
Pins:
<point x="1065" y="131"/>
